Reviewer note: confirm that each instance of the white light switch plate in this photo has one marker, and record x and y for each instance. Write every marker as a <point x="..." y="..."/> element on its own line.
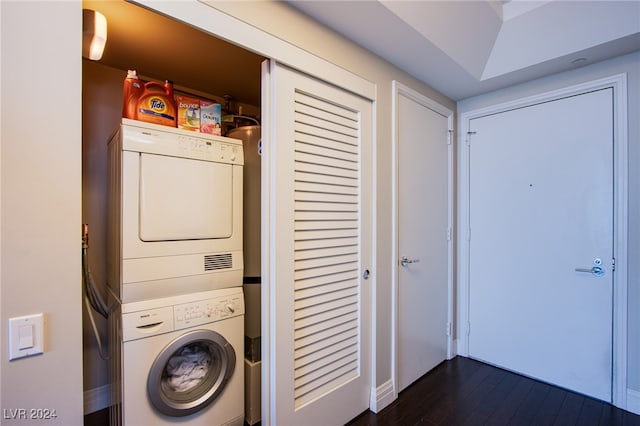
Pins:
<point x="26" y="336"/>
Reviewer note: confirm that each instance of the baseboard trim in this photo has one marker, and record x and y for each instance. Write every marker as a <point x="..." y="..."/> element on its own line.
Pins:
<point x="382" y="396"/>
<point x="633" y="401"/>
<point x="96" y="399"/>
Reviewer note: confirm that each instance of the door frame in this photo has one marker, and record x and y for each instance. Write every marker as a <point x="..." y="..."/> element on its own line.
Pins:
<point x="620" y="217"/>
<point x="399" y="89"/>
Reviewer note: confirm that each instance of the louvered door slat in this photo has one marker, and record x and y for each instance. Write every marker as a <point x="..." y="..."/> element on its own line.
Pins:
<point x="320" y="364"/>
<point x="321" y="262"/>
<point x="325" y="133"/>
<point x="325" y="252"/>
<point x="327" y="269"/>
<point x="331" y="242"/>
<point x="320" y="206"/>
<point x="316" y="339"/>
<point x="336" y="146"/>
<point x="329" y="377"/>
<point x="304" y="347"/>
<point x="315" y="330"/>
<point x="322" y="297"/>
<point x="319" y="170"/>
<point x="342" y="277"/>
<point x="314" y="215"/>
<point x="310" y="225"/>
<point x="316" y="308"/>
<point x="302" y="98"/>
<point x="324" y="234"/>
<point x="324" y="188"/>
<point x="303" y="177"/>
<point x="319" y="289"/>
<point x="320" y="156"/>
<point x="327" y="116"/>
<point x="323" y="125"/>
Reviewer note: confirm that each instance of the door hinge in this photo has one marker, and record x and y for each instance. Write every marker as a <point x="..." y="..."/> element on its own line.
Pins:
<point x="449" y="232"/>
<point x="613" y="264"/>
<point x="449" y="329"/>
<point x="449" y="137"/>
<point x="469" y="133"/>
<point x="468" y="328"/>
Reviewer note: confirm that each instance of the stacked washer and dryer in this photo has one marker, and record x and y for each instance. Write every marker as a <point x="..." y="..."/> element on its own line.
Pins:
<point x="176" y="267"/>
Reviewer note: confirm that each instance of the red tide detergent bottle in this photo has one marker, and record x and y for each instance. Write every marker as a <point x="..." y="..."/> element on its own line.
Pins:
<point x="133" y="89"/>
<point x="156" y="104"/>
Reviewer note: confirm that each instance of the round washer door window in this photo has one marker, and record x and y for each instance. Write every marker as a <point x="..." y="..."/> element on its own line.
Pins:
<point x="190" y="373"/>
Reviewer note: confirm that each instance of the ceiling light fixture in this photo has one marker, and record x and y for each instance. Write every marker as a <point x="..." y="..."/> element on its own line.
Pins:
<point x="94" y="34"/>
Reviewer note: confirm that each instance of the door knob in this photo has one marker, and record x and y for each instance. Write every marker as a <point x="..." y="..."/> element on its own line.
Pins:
<point x="595" y="270"/>
<point x="404" y="261"/>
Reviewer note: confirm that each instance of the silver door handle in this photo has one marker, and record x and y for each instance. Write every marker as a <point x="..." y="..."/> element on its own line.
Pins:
<point x="404" y="261"/>
<point x="596" y="270"/>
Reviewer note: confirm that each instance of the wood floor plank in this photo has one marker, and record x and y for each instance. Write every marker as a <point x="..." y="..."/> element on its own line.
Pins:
<point x="531" y="404"/>
<point x="463" y="391"/>
<point x="591" y="412"/>
<point x="570" y="410"/>
<point x="550" y="407"/>
<point x="510" y="405"/>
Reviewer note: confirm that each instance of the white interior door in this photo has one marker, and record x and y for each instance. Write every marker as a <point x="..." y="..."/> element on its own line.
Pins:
<point x="541" y="219"/>
<point x="320" y="229"/>
<point x="423" y="146"/>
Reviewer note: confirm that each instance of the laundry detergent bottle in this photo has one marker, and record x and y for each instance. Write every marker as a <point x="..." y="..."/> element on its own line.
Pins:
<point x="133" y="89"/>
<point x="156" y="104"/>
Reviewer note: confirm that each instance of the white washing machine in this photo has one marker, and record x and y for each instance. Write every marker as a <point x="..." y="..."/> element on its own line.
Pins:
<point x="180" y="360"/>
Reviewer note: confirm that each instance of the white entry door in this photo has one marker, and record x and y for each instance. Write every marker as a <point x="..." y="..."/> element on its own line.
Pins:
<point x="541" y="241"/>
<point x="424" y="155"/>
<point x="320" y="237"/>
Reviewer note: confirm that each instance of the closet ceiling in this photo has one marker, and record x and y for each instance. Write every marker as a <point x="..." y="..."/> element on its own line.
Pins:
<point x="161" y="48"/>
<point x="460" y="48"/>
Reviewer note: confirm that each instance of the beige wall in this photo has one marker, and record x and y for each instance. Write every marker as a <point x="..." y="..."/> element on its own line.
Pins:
<point x="629" y="64"/>
<point x="40" y="204"/>
<point x="101" y="112"/>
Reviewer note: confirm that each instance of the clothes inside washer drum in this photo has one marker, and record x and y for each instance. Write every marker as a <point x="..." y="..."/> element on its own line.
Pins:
<point x="188" y="367"/>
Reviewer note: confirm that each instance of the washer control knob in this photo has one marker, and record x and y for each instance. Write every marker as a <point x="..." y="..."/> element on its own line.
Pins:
<point x="231" y="308"/>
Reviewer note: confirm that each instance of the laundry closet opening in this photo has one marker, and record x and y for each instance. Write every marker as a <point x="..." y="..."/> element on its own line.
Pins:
<point x="202" y="67"/>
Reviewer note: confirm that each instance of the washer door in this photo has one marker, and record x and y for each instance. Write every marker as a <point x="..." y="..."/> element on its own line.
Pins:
<point x="190" y="373"/>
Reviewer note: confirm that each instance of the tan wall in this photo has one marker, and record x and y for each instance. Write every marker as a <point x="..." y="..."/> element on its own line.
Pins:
<point x="40" y="205"/>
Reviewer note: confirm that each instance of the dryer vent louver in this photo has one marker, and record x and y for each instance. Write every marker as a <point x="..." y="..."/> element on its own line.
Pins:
<point x="214" y="262"/>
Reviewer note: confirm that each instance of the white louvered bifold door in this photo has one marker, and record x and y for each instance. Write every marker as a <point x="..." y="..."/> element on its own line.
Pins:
<point x="321" y="241"/>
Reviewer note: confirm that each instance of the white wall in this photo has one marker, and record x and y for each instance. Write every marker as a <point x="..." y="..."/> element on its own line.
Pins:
<point x="40" y="204"/>
<point x="629" y="64"/>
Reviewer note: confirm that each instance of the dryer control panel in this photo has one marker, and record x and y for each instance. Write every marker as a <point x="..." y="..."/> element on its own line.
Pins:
<point x="209" y="310"/>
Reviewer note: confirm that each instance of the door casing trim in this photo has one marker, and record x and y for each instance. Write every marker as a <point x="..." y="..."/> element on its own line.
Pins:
<point x="618" y="83"/>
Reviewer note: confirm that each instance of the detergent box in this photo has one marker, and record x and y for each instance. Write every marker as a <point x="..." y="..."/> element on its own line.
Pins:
<point x="188" y="112"/>
<point x="210" y="117"/>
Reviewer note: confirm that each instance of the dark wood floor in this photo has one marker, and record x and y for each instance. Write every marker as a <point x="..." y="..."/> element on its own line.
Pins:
<point x="467" y="392"/>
